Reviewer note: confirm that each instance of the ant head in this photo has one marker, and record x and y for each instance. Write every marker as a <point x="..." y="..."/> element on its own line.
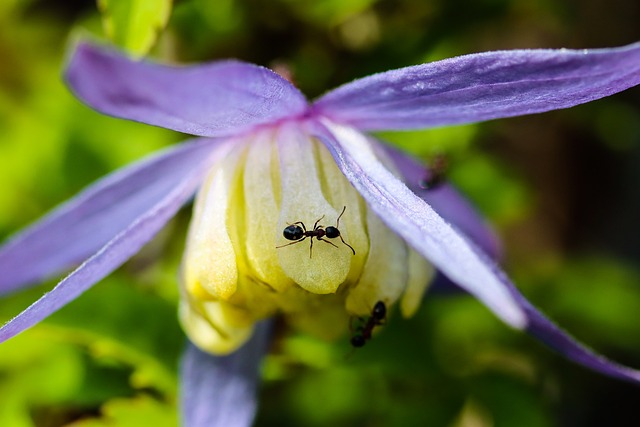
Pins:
<point x="379" y="311"/>
<point x="357" y="341"/>
<point x="332" y="232"/>
<point x="293" y="232"/>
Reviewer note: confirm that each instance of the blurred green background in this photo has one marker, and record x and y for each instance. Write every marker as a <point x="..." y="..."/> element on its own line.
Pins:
<point x="561" y="189"/>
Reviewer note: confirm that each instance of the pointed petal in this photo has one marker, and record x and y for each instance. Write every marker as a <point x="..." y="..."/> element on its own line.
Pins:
<point x="482" y="86"/>
<point x="414" y="220"/>
<point x="549" y="333"/>
<point x="447" y="202"/>
<point x="113" y="254"/>
<point x="452" y="253"/>
<point x="452" y="207"/>
<point x="217" y="99"/>
<point x="81" y="226"/>
<point x="221" y="390"/>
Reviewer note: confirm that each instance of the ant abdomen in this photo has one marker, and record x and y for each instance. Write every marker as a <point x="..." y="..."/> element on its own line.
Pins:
<point x="293" y="232"/>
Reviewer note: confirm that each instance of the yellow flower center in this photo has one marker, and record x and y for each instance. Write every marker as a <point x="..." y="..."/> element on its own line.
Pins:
<point x="239" y="267"/>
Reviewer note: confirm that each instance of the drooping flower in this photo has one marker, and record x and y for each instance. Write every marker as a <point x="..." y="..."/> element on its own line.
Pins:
<point x="267" y="159"/>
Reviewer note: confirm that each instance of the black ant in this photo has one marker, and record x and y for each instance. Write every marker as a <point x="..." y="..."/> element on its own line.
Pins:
<point x="363" y="332"/>
<point x="436" y="174"/>
<point x="298" y="233"/>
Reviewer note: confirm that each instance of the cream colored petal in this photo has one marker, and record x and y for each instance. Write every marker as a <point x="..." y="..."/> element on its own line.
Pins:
<point x="209" y="332"/>
<point x="420" y="271"/>
<point x="341" y="193"/>
<point x="385" y="273"/>
<point x="302" y="200"/>
<point x="327" y="321"/>
<point x="257" y="298"/>
<point x="421" y="274"/>
<point x="210" y="261"/>
<point x="262" y="213"/>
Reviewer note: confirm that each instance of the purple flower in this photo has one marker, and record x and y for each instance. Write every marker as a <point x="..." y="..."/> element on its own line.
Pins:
<point x="266" y="158"/>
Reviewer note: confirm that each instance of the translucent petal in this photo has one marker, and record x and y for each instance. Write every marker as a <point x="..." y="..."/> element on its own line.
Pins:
<point x="210" y="329"/>
<point x="421" y="273"/>
<point x="323" y="270"/>
<point x="261" y="186"/>
<point x="210" y="259"/>
<point x="385" y="273"/>
<point x="353" y="222"/>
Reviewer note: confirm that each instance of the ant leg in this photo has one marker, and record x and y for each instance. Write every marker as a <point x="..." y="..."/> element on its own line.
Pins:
<point x="292" y="243"/>
<point x="359" y="328"/>
<point x="344" y="208"/>
<point x="302" y="224"/>
<point x="311" y="247"/>
<point x="326" y="241"/>
<point x="315" y="226"/>
<point x="350" y="247"/>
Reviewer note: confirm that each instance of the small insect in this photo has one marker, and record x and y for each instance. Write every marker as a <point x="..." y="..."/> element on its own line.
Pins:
<point x="298" y="232"/>
<point x="436" y="174"/>
<point x="363" y="332"/>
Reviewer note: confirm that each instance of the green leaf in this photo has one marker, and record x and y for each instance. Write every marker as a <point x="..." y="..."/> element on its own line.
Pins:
<point x="139" y="411"/>
<point x="134" y="24"/>
<point x="115" y="323"/>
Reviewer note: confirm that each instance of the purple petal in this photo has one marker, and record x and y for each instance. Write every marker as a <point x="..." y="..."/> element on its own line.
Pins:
<point x="451" y="206"/>
<point x="451" y="252"/>
<point x="80" y="227"/>
<point x="482" y="86"/>
<point x="217" y="99"/>
<point x="221" y="390"/>
<point x="114" y="253"/>
<point x="546" y="331"/>
<point x="414" y="220"/>
<point x="447" y="202"/>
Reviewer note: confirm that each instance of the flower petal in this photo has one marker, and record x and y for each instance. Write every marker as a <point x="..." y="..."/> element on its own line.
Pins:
<point x="416" y="222"/>
<point x="326" y="270"/>
<point x="80" y="227"/>
<point x="124" y="245"/>
<point x="482" y="86"/>
<point x="209" y="260"/>
<point x="447" y="202"/>
<point x="546" y="331"/>
<point x="550" y="334"/>
<point x="451" y="206"/>
<point x="451" y="252"/>
<point x="221" y="390"/>
<point x="217" y="99"/>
